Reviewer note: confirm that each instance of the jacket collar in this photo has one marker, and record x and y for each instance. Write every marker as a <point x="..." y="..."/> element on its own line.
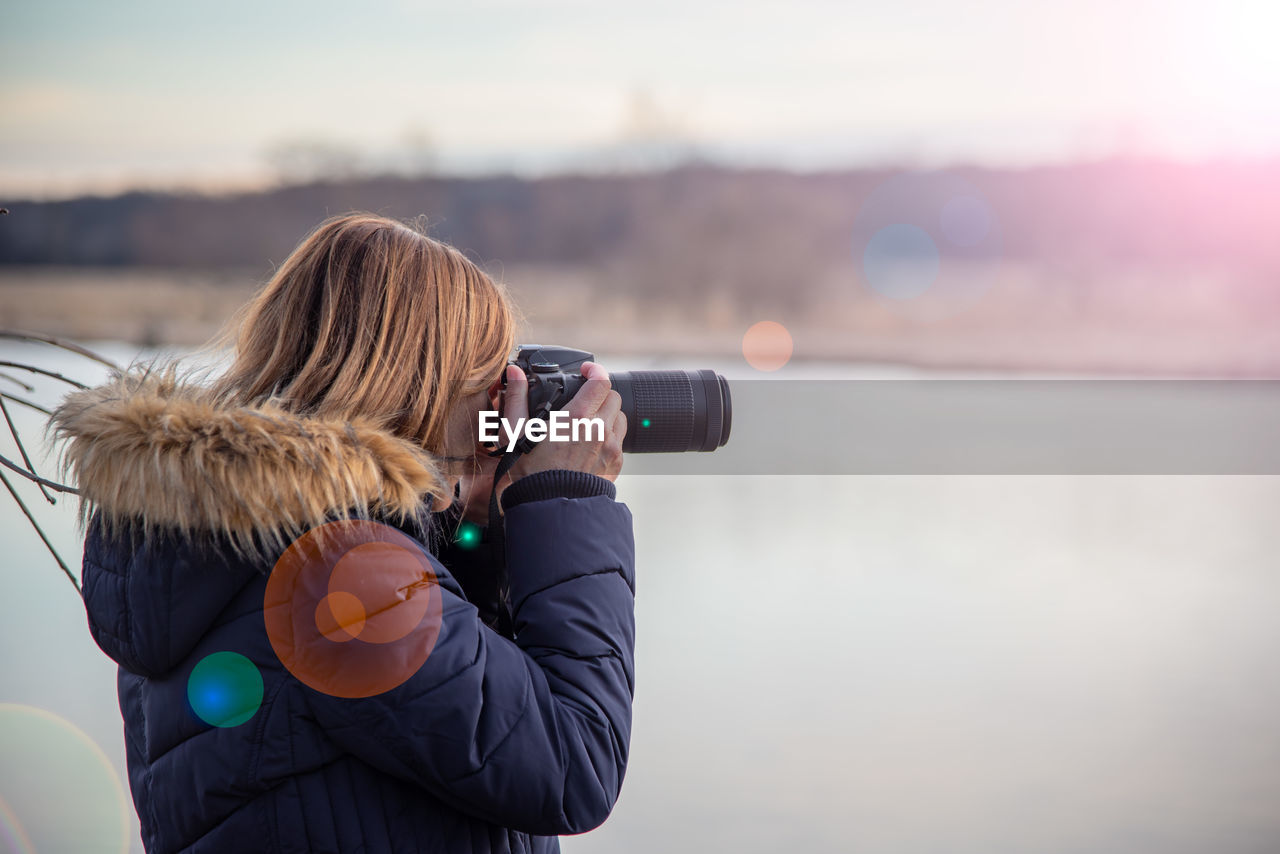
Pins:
<point x="148" y="448"/>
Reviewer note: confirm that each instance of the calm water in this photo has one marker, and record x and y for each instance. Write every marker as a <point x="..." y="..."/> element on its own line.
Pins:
<point x="869" y="664"/>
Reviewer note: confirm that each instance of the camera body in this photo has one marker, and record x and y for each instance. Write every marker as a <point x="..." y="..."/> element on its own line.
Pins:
<point x="667" y="411"/>
<point x="554" y="375"/>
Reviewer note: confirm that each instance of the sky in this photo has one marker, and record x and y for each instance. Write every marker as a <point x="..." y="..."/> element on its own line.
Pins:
<point x="96" y="97"/>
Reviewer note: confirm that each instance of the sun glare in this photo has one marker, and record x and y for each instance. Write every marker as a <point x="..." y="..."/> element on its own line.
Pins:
<point x="1227" y="64"/>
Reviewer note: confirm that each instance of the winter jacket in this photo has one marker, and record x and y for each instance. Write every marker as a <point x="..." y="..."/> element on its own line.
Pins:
<point x="489" y="743"/>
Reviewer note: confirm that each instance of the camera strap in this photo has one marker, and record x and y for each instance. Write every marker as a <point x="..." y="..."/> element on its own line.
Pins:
<point x="498" y="540"/>
<point x="496" y="530"/>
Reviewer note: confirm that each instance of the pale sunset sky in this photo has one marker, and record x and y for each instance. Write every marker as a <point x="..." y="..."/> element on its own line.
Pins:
<point x="96" y="97"/>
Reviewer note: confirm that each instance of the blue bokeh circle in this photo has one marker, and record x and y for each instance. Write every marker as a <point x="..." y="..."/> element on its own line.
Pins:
<point x="901" y="261"/>
<point x="933" y="233"/>
<point x="225" y="689"/>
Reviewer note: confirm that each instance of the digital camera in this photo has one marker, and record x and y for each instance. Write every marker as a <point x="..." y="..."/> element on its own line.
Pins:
<point x="667" y="411"/>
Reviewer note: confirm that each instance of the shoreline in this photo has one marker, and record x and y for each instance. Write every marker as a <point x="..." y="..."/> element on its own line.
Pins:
<point x="159" y="308"/>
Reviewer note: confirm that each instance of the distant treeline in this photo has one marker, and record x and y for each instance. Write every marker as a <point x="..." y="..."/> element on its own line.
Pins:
<point x="667" y="232"/>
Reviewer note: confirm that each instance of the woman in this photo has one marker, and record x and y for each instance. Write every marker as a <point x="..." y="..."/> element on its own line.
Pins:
<point x="298" y="673"/>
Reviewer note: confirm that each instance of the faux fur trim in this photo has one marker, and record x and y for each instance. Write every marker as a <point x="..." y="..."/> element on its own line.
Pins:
<point x="149" y="449"/>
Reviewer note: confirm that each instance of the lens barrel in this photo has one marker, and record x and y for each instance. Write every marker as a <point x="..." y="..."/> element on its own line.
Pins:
<point x="673" y="411"/>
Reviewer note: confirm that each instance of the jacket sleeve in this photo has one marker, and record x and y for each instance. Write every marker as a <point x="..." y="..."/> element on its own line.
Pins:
<point x="532" y="733"/>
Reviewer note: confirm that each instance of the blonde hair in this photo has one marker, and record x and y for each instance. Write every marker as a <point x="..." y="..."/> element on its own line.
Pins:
<point x="371" y="318"/>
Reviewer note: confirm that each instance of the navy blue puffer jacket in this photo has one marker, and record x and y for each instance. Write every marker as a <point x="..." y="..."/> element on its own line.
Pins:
<point x="494" y="743"/>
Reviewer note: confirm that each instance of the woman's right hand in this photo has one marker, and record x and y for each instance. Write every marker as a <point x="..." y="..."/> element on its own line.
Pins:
<point x="596" y="399"/>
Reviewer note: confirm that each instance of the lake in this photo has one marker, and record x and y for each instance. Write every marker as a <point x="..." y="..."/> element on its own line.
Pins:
<point x="871" y="663"/>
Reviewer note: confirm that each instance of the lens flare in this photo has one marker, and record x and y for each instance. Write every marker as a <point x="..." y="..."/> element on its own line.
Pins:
<point x="468" y="535"/>
<point x="58" y="790"/>
<point x="901" y="261"/>
<point x="340" y="616"/>
<point x="1222" y="62"/>
<point x="352" y="608"/>
<point x="12" y="833"/>
<point x="225" y="689"/>
<point x="767" y="346"/>
<point x="927" y="236"/>
<point x="965" y="220"/>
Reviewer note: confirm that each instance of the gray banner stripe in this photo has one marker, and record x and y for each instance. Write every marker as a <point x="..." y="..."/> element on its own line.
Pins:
<point x="940" y="426"/>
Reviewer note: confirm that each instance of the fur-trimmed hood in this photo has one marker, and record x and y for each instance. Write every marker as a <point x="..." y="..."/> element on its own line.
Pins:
<point x="150" y="449"/>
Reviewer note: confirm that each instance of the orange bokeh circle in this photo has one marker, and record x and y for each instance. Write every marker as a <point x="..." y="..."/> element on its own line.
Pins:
<point x="767" y="346"/>
<point x="340" y="616"/>
<point x="353" y="608"/>
<point x="383" y="577"/>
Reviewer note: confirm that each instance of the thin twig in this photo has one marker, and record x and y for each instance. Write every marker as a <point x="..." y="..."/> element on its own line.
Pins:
<point x="40" y="531"/>
<point x="35" y="478"/>
<point x="37" y="407"/>
<point x="57" y="342"/>
<point x="11" y="378"/>
<point x="13" y="431"/>
<point x="33" y="369"/>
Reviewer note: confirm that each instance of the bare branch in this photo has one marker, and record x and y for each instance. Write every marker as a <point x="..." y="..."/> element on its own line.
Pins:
<point x="11" y="378"/>
<point x="13" y="431"/>
<point x="37" y="407"/>
<point x="45" y="373"/>
<point x="40" y="531"/>
<point x="19" y="335"/>
<point x="35" y="478"/>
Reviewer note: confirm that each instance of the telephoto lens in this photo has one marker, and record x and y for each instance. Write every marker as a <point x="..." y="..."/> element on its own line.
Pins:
<point x="674" y="411"/>
<point x="667" y="411"/>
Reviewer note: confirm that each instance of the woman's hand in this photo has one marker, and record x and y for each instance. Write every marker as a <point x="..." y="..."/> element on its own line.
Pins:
<point x="594" y="400"/>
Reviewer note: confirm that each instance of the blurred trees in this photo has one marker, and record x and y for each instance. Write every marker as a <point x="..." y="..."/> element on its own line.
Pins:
<point x="762" y="238"/>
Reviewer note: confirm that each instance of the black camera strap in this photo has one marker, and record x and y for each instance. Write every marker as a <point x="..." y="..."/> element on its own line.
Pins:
<point x="498" y="537"/>
<point x="497" y="534"/>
